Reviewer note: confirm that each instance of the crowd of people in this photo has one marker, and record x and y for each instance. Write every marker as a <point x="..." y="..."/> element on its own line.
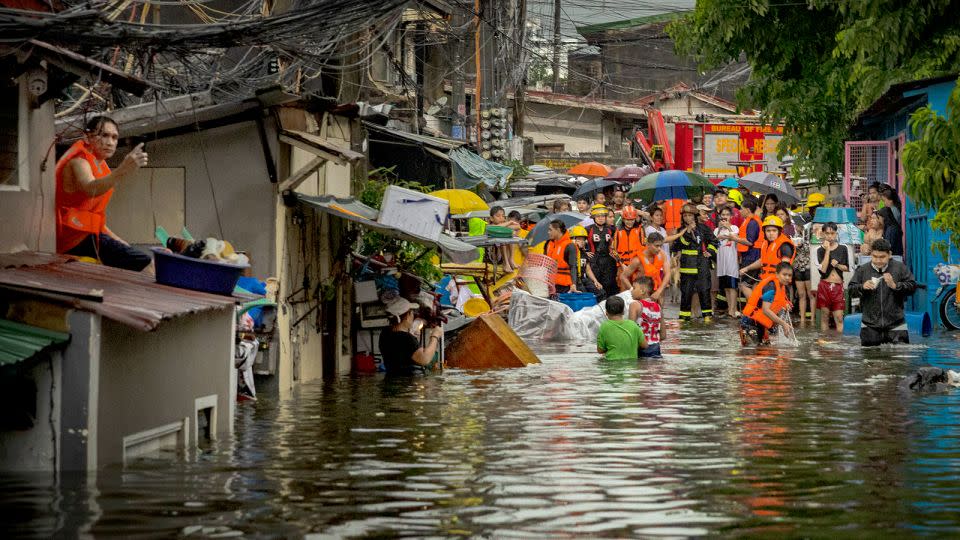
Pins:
<point x="731" y="254"/>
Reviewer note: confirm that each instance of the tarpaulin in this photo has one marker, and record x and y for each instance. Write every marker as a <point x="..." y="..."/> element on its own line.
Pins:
<point x="470" y="169"/>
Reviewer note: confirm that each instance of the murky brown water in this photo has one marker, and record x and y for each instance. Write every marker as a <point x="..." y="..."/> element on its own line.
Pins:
<point x="812" y="441"/>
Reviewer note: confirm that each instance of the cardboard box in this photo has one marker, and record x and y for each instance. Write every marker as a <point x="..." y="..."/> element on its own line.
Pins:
<point x="414" y="212"/>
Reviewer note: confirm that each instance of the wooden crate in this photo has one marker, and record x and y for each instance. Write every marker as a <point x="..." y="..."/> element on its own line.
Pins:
<point x="488" y="342"/>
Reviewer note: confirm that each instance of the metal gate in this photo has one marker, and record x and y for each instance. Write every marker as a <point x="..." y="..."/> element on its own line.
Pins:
<point x="866" y="162"/>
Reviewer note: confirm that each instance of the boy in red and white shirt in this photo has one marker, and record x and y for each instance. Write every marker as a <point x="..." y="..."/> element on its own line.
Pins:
<point x="648" y="314"/>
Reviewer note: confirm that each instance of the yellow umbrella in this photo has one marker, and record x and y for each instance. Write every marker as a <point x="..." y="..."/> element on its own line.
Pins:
<point x="461" y="201"/>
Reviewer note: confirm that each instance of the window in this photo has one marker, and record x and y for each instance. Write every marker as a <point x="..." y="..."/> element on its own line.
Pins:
<point x="9" y="139"/>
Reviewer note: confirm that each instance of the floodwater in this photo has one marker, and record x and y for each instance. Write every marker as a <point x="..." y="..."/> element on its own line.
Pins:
<point x="711" y="440"/>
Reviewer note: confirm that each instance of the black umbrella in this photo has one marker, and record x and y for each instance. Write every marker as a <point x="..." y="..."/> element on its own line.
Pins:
<point x="770" y="184"/>
<point x="590" y="187"/>
<point x="539" y="232"/>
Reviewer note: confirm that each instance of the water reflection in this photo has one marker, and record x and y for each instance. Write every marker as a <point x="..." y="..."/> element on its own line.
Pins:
<point x="808" y="441"/>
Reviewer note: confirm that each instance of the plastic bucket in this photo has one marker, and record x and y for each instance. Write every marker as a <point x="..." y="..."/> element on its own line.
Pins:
<point x="475" y="306"/>
<point x="196" y="274"/>
<point x="918" y="323"/>
<point x="577" y="301"/>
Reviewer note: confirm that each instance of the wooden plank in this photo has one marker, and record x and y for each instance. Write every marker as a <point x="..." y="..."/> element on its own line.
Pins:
<point x="320" y="146"/>
<point x="305" y="145"/>
<point x="297" y="178"/>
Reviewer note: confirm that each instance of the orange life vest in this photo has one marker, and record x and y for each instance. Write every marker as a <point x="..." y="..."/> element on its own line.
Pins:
<point x="754" y="308"/>
<point x="555" y="250"/>
<point x="770" y="254"/>
<point x="742" y="248"/>
<point x="629" y="243"/>
<point x="653" y="269"/>
<point x="78" y="214"/>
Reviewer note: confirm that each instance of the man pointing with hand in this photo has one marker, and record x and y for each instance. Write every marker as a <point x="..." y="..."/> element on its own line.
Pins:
<point x="84" y="186"/>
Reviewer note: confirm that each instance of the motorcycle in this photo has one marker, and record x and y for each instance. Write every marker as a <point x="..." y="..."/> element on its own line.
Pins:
<point x="948" y="295"/>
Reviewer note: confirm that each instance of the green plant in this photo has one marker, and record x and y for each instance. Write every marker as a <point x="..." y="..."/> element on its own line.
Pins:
<point x="932" y="164"/>
<point x="410" y="255"/>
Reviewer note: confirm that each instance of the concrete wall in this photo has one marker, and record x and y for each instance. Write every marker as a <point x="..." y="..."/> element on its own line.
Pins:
<point x="303" y="243"/>
<point x="578" y="130"/>
<point x="27" y="211"/>
<point x="149" y="379"/>
<point x="225" y="164"/>
<point x="35" y="449"/>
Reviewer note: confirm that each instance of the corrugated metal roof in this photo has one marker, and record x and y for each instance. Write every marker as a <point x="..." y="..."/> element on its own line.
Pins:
<point x="130" y="298"/>
<point x="439" y="143"/>
<point x="20" y="341"/>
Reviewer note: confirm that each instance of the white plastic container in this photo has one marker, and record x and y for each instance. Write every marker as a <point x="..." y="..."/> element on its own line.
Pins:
<point x="414" y="212"/>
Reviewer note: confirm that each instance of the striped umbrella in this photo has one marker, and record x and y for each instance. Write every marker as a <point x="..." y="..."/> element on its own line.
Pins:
<point x="666" y="185"/>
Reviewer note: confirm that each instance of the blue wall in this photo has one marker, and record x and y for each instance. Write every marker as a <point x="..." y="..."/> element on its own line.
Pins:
<point x="919" y="233"/>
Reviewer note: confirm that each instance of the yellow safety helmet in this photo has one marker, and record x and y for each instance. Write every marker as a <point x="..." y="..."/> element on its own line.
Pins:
<point x="578" y="231"/>
<point x="773" y="221"/>
<point x="735" y="196"/>
<point x="599" y="209"/>
<point x="816" y="199"/>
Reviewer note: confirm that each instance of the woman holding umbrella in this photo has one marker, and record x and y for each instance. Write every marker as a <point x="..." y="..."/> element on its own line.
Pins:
<point x="696" y="249"/>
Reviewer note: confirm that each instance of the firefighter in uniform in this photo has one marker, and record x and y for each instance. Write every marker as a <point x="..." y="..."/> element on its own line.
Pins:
<point x="585" y="280"/>
<point x="695" y="251"/>
<point x="601" y="244"/>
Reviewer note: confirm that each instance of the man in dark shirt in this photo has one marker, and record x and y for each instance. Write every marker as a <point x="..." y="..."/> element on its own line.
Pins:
<point x="402" y="353"/>
<point x="883" y="286"/>
<point x="834" y="261"/>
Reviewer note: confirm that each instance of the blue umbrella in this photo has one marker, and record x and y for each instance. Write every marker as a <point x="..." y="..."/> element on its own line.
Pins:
<point x="590" y="187"/>
<point x="539" y="232"/>
<point x="729" y="183"/>
<point x="666" y="185"/>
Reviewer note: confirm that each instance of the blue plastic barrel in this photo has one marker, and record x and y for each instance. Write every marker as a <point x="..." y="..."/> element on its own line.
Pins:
<point x="577" y="301"/>
<point x="918" y="323"/>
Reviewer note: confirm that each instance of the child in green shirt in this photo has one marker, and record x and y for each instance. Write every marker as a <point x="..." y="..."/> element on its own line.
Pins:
<point x="619" y="339"/>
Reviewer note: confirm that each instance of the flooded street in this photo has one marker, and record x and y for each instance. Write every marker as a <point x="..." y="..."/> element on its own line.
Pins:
<point x="810" y="441"/>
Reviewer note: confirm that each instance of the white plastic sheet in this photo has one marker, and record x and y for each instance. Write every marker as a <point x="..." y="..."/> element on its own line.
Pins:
<point x="539" y="319"/>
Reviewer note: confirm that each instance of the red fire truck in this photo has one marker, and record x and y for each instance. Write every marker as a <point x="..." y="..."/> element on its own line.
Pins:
<point x="722" y="150"/>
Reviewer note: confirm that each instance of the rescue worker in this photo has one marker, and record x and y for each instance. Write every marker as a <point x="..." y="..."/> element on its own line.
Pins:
<point x="696" y="248"/>
<point x="84" y="186"/>
<point x="585" y="280"/>
<point x="601" y="239"/>
<point x="749" y="239"/>
<point x="655" y="265"/>
<point x="629" y="243"/>
<point x="767" y="307"/>
<point x="775" y="249"/>
<point x="559" y="248"/>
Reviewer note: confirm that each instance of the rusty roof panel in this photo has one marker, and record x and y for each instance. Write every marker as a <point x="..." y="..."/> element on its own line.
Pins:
<point x="130" y="298"/>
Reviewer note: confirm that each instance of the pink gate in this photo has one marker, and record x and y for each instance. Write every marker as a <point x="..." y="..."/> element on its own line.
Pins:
<point x="866" y="162"/>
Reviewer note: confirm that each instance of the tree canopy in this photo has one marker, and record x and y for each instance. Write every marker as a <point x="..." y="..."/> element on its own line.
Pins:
<point x="817" y="63"/>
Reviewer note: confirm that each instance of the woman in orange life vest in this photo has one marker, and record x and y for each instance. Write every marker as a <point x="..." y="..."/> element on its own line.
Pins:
<point x="655" y="265"/>
<point x="629" y="243"/>
<point x="84" y="186"/>
<point x="559" y="248"/>
<point x="776" y="248"/>
<point x="767" y="307"/>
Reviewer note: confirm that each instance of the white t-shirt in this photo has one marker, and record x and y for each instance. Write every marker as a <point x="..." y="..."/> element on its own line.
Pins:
<point x="727" y="253"/>
<point x="663" y="232"/>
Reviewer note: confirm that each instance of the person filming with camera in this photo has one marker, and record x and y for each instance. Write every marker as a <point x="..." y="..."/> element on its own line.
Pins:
<point x="401" y="350"/>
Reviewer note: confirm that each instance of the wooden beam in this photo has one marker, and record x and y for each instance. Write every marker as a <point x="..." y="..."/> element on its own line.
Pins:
<point x="297" y="178"/>
<point x="320" y="146"/>
<point x="303" y="145"/>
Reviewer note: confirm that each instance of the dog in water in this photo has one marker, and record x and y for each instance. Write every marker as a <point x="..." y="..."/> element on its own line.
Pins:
<point x="930" y="379"/>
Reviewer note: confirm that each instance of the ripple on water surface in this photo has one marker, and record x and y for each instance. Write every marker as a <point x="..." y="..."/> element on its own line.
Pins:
<point x="712" y="439"/>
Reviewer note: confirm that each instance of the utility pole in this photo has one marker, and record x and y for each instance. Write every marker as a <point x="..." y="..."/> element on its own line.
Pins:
<point x="556" y="45"/>
<point x="458" y="110"/>
<point x="519" y="104"/>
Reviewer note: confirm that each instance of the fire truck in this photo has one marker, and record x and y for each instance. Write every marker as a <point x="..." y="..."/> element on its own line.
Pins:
<point x="712" y="149"/>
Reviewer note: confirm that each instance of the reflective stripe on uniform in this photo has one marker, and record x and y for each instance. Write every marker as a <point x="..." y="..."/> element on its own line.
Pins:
<point x="689" y="271"/>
